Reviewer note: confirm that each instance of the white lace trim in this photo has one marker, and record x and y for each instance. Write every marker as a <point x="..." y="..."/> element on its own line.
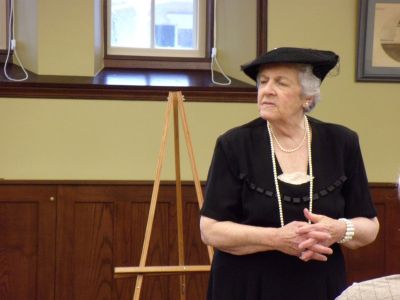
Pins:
<point x="294" y="178"/>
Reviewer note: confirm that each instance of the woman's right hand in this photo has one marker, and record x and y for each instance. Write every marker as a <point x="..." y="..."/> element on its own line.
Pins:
<point x="289" y="240"/>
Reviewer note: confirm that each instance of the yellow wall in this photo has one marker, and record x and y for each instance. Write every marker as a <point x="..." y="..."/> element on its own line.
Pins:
<point x="56" y="37"/>
<point x="3" y="24"/>
<point x="93" y="139"/>
<point x="26" y="33"/>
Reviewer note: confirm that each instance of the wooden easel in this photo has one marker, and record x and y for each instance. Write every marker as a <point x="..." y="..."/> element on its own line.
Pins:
<point x="175" y="104"/>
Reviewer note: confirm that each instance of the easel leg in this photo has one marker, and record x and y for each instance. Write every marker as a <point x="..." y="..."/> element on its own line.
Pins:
<point x="196" y="179"/>
<point x="179" y="208"/>
<point x="153" y="202"/>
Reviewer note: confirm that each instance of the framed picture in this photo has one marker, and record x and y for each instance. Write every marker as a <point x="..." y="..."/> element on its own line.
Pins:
<point x="379" y="41"/>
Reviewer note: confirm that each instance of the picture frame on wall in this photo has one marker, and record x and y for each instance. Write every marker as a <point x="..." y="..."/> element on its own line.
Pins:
<point x="378" y="56"/>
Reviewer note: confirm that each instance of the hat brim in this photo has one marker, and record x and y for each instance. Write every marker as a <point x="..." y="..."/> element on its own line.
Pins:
<point x="322" y="61"/>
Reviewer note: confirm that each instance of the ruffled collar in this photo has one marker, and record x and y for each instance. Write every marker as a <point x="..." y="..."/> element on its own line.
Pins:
<point x="295" y="178"/>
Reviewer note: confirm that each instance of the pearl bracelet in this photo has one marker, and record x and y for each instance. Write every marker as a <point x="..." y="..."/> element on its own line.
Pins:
<point x="349" y="231"/>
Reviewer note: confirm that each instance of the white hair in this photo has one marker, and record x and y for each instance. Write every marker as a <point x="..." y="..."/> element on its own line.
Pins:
<point x="310" y="84"/>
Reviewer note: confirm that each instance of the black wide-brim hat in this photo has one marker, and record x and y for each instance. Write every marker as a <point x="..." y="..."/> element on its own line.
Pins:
<point x="322" y="61"/>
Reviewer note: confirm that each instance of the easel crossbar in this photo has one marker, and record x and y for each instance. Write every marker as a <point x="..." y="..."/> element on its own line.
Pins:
<point x="157" y="270"/>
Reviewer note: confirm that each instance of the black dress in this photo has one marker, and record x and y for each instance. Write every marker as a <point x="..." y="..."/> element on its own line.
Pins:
<point x="240" y="188"/>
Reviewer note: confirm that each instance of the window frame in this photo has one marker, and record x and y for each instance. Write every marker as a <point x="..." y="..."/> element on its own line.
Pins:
<point x="166" y="62"/>
<point x="199" y="35"/>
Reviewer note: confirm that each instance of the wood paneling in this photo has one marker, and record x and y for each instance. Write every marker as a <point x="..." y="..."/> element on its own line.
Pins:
<point x="382" y="256"/>
<point x="27" y="242"/>
<point x="102" y="226"/>
<point x="85" y="239"/>
<point x="67" y="247"/>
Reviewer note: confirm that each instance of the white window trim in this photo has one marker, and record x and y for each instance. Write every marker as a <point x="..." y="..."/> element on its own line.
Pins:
<point x="201" y="23"/>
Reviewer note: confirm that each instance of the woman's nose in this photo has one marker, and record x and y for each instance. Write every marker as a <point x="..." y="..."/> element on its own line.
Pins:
<point x="268" y="87"/>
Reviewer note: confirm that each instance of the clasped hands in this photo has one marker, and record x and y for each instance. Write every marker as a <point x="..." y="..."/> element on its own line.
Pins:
<point x="310" y="241"/>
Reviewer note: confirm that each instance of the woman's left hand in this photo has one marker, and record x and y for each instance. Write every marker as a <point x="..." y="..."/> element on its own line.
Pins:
<point x="313" y="245"/>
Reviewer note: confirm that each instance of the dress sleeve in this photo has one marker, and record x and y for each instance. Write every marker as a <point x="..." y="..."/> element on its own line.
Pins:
<point x="223" y="188"/>
<point x="356" y="190"/>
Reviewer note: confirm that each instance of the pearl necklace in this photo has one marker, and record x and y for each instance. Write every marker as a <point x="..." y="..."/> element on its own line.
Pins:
<point x="308" y="133"/>
<point x="295" y="148"/>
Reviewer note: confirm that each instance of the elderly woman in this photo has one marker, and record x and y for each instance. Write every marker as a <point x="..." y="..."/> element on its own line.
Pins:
<point x="285" y="190"/>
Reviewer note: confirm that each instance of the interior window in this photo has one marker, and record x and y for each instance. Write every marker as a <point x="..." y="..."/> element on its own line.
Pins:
<point x="166" y="28"/>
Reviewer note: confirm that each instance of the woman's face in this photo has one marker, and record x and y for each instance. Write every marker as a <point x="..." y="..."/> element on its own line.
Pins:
<point x="279" y="96"/>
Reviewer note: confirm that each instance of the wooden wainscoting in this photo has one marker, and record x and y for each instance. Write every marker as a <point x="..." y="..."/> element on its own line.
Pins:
<point x="62" y="240"/>
<point x="382" y="257"/>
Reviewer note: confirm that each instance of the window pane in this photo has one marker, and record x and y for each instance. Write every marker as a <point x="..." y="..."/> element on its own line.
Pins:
<point x="175" y="24"/>
<point x="131" y="23"/>
<point x="162" y="28"/>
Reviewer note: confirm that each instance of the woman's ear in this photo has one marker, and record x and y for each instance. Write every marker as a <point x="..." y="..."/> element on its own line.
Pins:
<point x="308" y="103"/>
